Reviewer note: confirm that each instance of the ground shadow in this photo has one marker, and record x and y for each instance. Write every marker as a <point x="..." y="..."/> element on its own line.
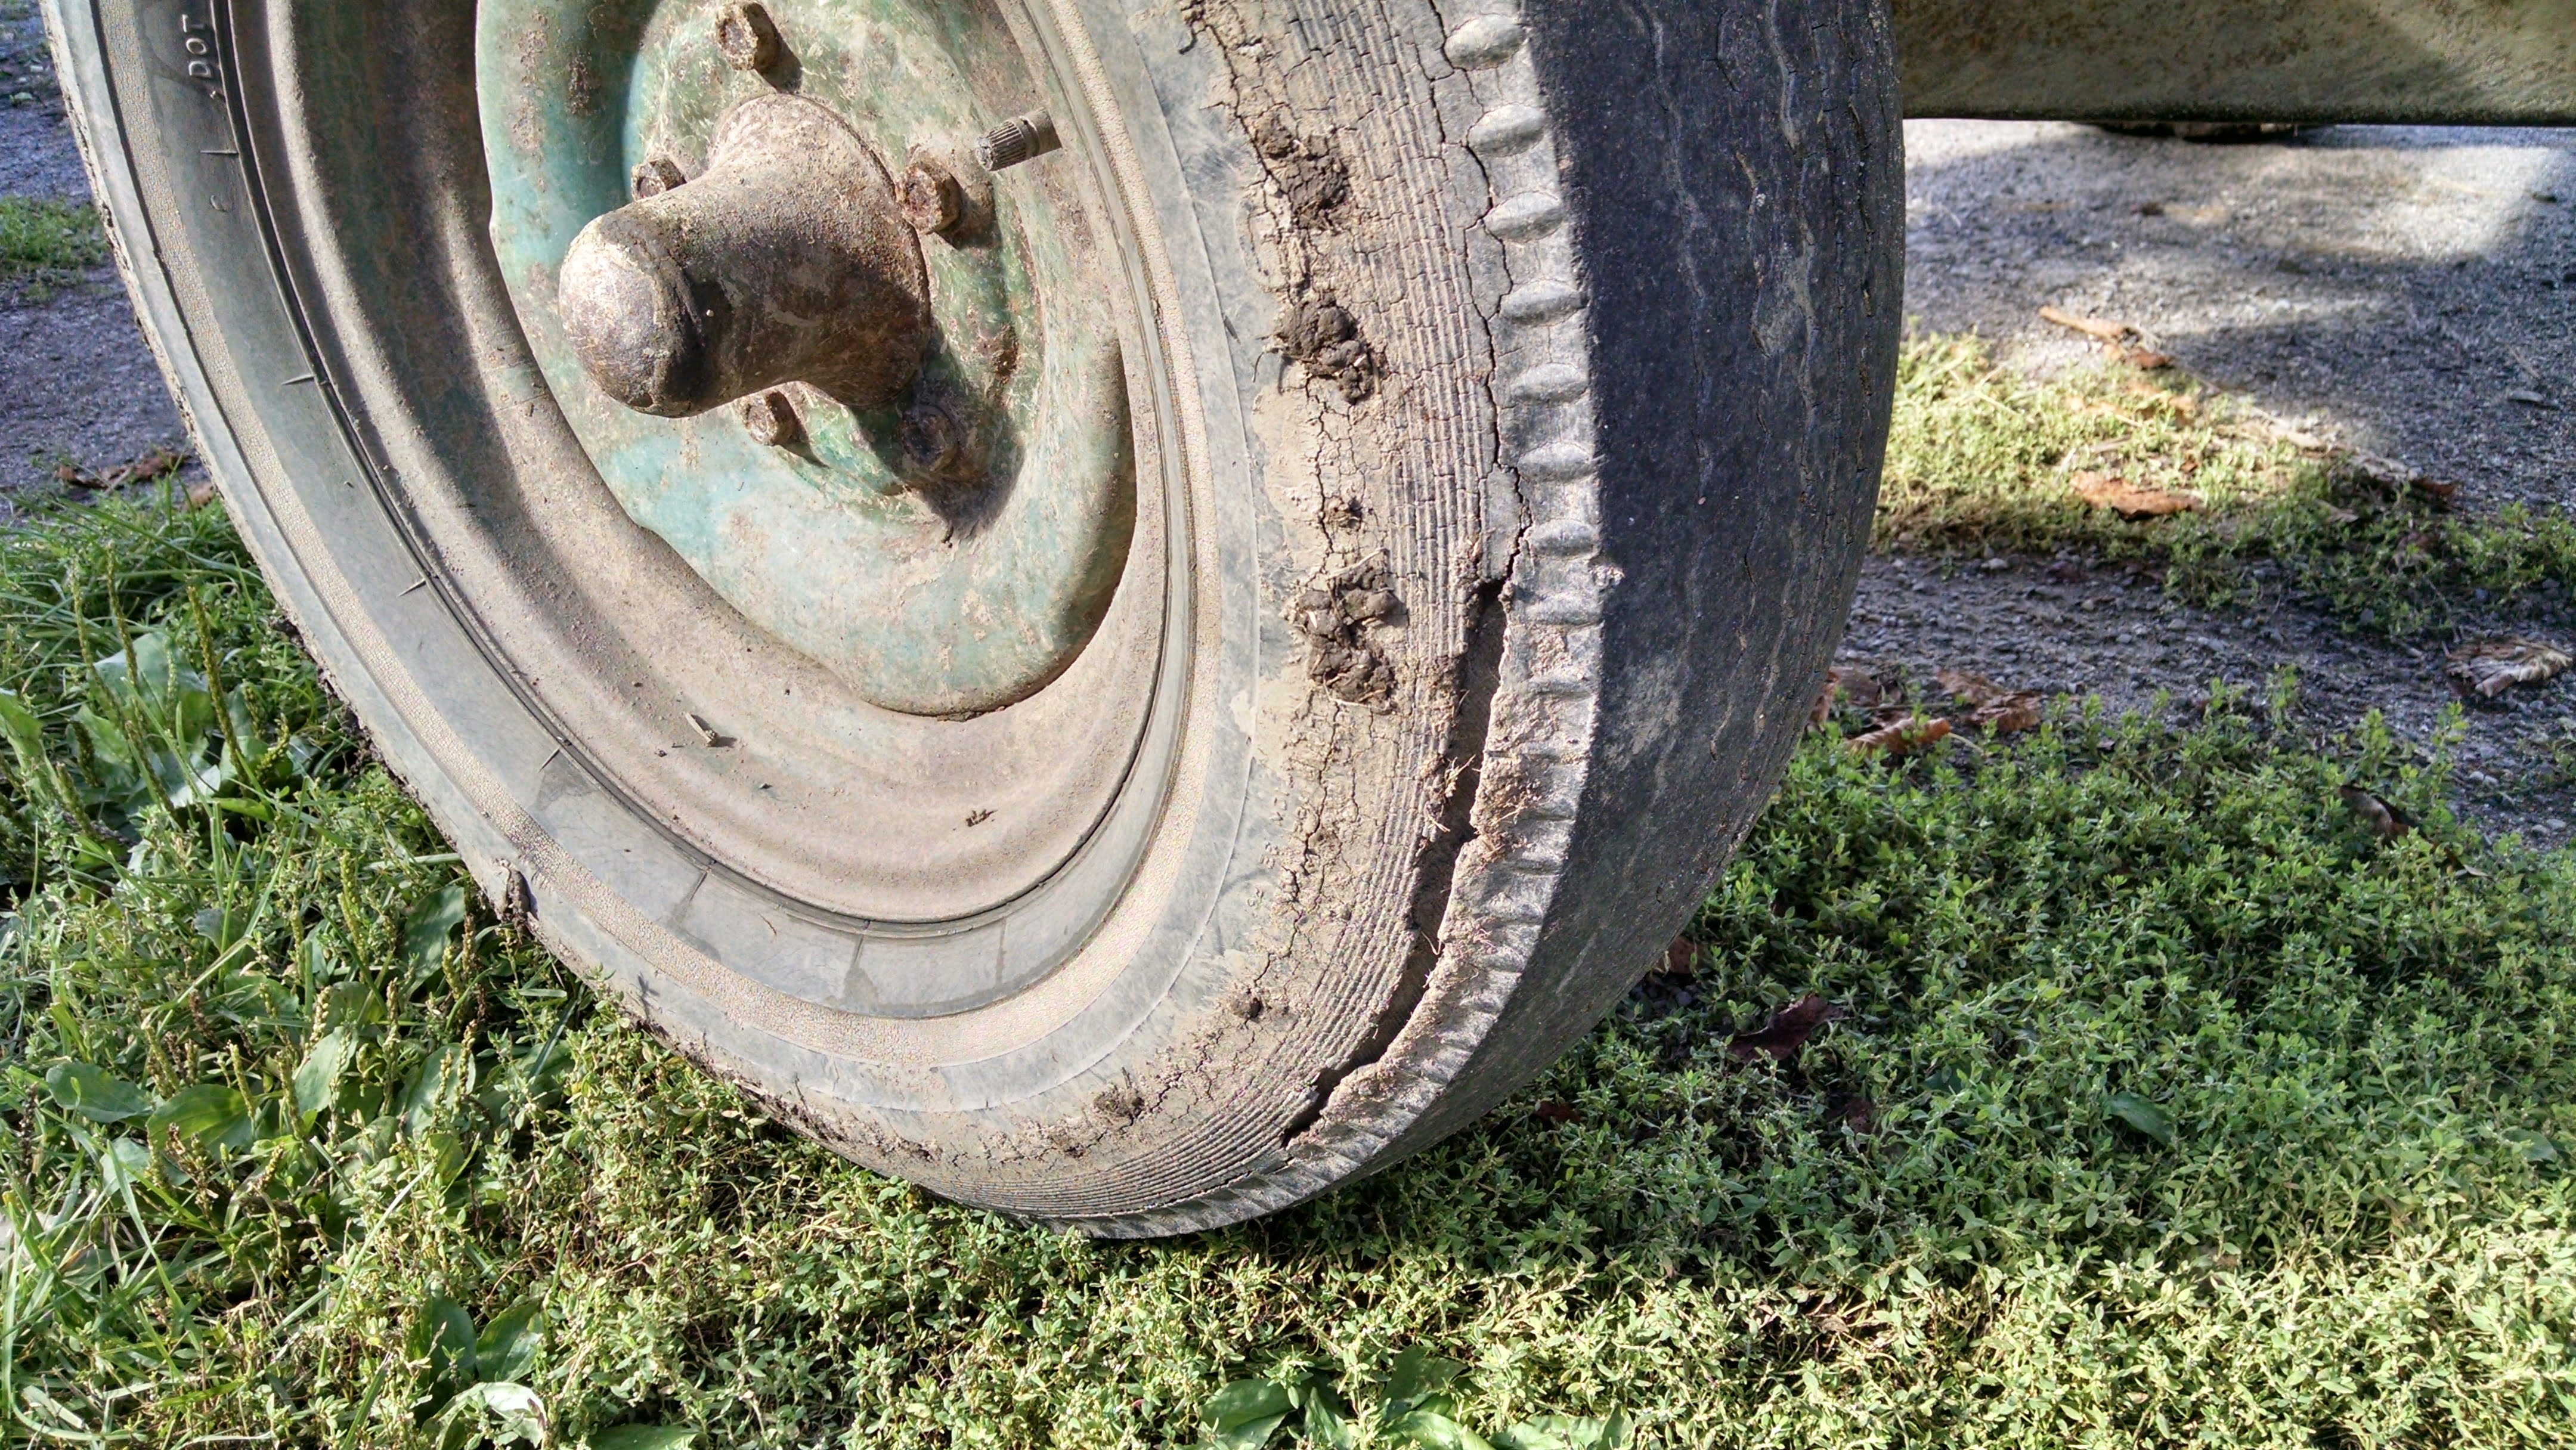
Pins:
<point x="2412" y="289"/>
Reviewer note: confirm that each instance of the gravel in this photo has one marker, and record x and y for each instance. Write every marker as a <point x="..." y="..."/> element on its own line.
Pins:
<point x="77" y="383"/>
<point x="2072" y="627"/>
<point x="2410" y="291"/>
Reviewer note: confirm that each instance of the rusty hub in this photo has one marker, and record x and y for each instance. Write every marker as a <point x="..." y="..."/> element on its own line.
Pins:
<point x="788" y="261"/>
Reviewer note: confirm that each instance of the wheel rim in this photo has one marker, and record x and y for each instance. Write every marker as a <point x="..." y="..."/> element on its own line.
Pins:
<point x="871" y="838"/>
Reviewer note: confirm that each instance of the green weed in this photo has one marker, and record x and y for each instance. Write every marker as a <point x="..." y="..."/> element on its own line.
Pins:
<point x="1412" y="1406"/>
<point x="1983" y="460"/>
<point x="2558" y="754"/>
<point x="44" y="244"/>
<point x="2164" y="1104"/>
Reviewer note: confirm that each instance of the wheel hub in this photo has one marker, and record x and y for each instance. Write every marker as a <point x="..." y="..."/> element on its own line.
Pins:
<point x="928" y="486"/>
<point x="788" y="262"/>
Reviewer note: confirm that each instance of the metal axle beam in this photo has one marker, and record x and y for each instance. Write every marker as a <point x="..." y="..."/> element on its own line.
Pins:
<point x="2454" y="62"/>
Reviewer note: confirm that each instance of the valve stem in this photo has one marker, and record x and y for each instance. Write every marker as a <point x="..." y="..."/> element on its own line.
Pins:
<point x="1016" y="140"/>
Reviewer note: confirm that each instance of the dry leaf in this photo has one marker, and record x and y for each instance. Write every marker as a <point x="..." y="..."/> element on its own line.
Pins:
<point x="2182" y="403"/>
<point x="2119" y="337"/>
<point x="1863" y="688"/>
<point x="2130" y="501"/>
<point x="2092" y="327"/>
<point x="1680" y="957"/>
<point x="1975" y="689"/>
<point x="2489" y="668"/>
<point x="1786" y="1032"/>
<point x="2385" y="821"/>
<point x="1904" y="737"/>
<point x="158" y="463"/>
<point x="2005" y="710"/>
<point x="2394" y="474"/>
<point x="2019" y="710"/>
<point x="1823" y="709"/>
<point x="1553" y="1111"/>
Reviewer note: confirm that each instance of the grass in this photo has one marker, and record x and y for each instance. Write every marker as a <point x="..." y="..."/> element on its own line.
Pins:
<point x="2558" y="748"/>
<point x="44" y="244"/>
<point x="2167" y="1106"/>
<point x="1984" y="460"/>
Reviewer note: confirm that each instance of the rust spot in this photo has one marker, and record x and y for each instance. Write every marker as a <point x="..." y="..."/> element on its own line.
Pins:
<point x="581" y="88"/>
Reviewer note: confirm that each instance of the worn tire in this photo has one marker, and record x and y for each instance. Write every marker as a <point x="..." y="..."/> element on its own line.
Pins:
<point x="1625" y="284"/>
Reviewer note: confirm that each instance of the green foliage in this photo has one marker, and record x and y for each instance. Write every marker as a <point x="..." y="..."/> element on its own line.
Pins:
<point x="2142" y="1115"/>
<point x="1410" y="1405"/>
<point x="644" y="1437"/>
<point x="473" y="1390"/>
<point x="1983" y="460"/>
<point x="301" y="1147"/>
<point x="46" y="243"/>
<point x="2558" y="750"/>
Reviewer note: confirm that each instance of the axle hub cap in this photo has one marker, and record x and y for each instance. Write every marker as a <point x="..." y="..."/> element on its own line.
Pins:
<point x="787" y="262"/>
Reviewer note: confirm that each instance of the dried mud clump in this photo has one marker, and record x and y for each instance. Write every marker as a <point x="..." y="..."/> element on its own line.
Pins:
<point x="1336" y="619"/>
<point x="1309" y="172"/>
<point x="1121" y="1102"/>
<point x="1322" y="334"/>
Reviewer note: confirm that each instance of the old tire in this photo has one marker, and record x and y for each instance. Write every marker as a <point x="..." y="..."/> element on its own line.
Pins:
<point x="1507" y="397"/>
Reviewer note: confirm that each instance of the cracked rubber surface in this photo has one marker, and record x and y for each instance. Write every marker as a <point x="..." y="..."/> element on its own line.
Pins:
<point x="1529" y="379"/>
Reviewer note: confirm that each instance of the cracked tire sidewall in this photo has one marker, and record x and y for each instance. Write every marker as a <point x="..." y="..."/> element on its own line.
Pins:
<point x="1515" y="602"/>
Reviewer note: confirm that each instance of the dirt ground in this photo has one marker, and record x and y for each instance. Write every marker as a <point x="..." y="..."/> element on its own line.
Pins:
<point x="2409" y="291"/>
<point x="77" y="384"/>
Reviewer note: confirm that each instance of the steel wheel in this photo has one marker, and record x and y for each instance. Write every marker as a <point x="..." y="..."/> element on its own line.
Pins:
<point x="1127" y="613"/>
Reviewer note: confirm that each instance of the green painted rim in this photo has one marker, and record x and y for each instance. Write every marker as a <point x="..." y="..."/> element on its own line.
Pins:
<point x="931" y="597"/>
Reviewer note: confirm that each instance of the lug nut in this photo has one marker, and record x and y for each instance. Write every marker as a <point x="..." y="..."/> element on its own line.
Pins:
<point x="1015" y="141"/>
<point x="770" y="418"/>
<point x="932" y="439"/>
<point x="746" y="36"/>
<point x="930" y="197"/>
<point x="654" y="177"/>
